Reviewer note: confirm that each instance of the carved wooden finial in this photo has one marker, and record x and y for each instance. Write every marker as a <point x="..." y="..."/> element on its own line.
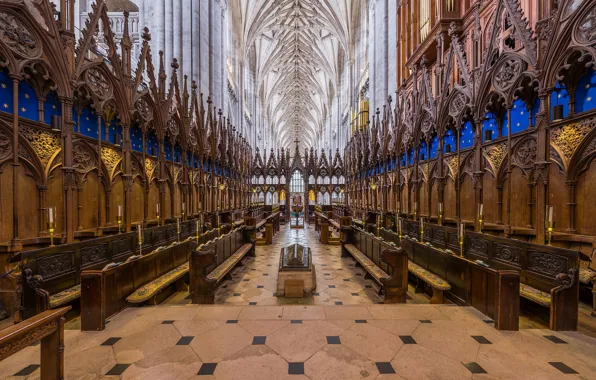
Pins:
<point x="146" y="35"/>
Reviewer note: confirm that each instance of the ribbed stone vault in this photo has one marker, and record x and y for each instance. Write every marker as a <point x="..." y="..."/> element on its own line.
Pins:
<point x="294" y="48"/>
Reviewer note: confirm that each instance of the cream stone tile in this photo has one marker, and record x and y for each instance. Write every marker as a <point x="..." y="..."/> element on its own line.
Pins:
<point x="371" y="342"/>
<point x="396" y="327"/>
<point x="261" y="312"/>
<point x="330" y="327"/>
<point x="196" y="326"/>
<point x="215" y="345"/>
<point x="180" y="362"/>
<point x="417" y="362"/>
<point x="142" y="345"/>
<point x="401" y="311"/>
<point x="347" y="312"/>
<point x="222" y="312"/>
<point x="339" y="362"/>
<point x="448" y="339"/>
<point x="262" y="328"/>
<point x="296" y="342"/>
<point x="303" y="312"/>
<point x="255" y="363"/>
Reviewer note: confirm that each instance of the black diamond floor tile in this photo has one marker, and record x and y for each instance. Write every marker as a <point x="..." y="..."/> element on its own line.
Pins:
<point x="27" y="370"/>
<point x="259" y="340"/>
<point x="555" y="339"/>
<point x="185" y="341"/>
<point x="333" y="340"/>
<point x="426" y="321"/>
<point x="480" y="339"/>
<point x="473" y="367"/>
<point x="564" y="368"/>
<point x="385" y="368"/>
<point x="111" y="341"/>
<point x="168" y="322"/>
<point x="232" y="321"/>
<point x="117" y="370"/>
<point x="207" y="369"/>
<point x="407" y="339"/>
<point x="361" y="321"/>
<point x="296" y="369"/>
<point x="339" y="303"/>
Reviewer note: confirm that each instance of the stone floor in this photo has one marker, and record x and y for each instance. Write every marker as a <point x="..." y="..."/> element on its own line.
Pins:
<point x="343" y="334"/>
<point x="313" y="342"/>
<point x="339" y="282"/>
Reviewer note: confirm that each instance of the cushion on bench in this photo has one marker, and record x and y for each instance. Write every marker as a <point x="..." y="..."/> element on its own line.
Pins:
<point x="65" y="296"/>
<point x="428" y="277"/>
<point x="586" y="276"/>
<point x="533" y="294"/>
<point x="153" y="288"/>
<point x="218" y="273"/>
<point x="367" y="263"/>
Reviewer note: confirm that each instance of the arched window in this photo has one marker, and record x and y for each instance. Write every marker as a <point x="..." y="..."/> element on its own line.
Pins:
<point x="297" y="183"/>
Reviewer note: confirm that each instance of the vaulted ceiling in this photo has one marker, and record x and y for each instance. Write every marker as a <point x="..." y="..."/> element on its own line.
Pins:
<point x="295" y="49"/>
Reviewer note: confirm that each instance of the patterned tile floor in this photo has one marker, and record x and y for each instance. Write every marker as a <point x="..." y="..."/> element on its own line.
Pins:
<point x="313" y="342"/>
<point x="338" y="280"/>
<point x="273" y="340"/>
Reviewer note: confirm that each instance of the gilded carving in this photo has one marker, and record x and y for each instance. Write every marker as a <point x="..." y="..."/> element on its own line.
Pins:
<point x="110" y="158"/>
<point x="496" y="154"/>
<point x="44" y="144"/>
<point x="150" y="166"/>
<point x="568" y="137"/>
<point x="453" y="164"/>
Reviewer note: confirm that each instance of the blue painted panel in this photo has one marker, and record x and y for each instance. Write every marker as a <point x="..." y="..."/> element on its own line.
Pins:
<point x="51" y="107"/>
<point x="136" y="138"/>
<point x="6" y="101"/>
<point x="560" y="96"/>
<point x="152" y="144"/>
<point x="411" y="156"/>
<point x="28" y="107"/>
<point x="423" y="152"/>
<point x="519" y="116"/>
<point x="449" y="139"/>
<point x="168" y="150"/>
<point x="489" y="123"/>
<point x="404" y="160"/>
<point x="585" y="95"/>
<point x="88" y="123"/>
<point x="466" y="135"/>
<point x="434" y="147"/>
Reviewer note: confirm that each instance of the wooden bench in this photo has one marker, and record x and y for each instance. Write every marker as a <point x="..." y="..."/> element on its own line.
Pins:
<point x="549" y="276"/>
<point x="152" y="277"/>
<point x="47" y="327"/>
<point x="212" y="262"/>
<point x="385" y="264"/>
<point x="51" y="276"/>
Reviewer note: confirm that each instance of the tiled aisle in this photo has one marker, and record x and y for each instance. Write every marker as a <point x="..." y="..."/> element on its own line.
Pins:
<point x="338" y="281"/>
<point x="344" y="335"/>
<point x="313" y="342"/>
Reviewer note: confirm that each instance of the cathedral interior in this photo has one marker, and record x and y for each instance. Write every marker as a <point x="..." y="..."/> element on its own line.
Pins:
<point x="297" y="189"/>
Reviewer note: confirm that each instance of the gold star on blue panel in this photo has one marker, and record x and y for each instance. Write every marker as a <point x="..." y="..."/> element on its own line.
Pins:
<point x="3" y="85"/>
<point x="5" y="105"/>
<point x="23" y="109"/>
<point x="53" y="106"/>
<point x="26" y="96"/>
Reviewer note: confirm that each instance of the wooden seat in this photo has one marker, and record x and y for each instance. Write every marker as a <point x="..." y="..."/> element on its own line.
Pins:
<point x="153" y="288"/>
<point x="437" y="283"/>
<point x="370" y="267"/>
<point x="535" y="295"/>
<point x="218" y="273"/>
<point x="212" y="262"/>
<point x="65" y="297"/>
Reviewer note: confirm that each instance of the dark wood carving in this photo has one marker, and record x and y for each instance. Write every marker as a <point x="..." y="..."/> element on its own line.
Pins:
<point x="94" y="254"/>
<point x="396" y="286"/>
<point x="51" y="266"/>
